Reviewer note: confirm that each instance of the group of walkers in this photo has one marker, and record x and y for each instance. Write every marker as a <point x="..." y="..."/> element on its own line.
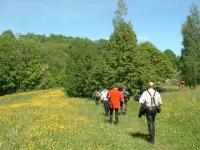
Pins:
<point x="116" y="99"/>
<point x="113" y="100"/>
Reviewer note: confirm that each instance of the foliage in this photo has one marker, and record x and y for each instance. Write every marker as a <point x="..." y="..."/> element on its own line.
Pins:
<point x="100" y="46"/>
<point x="189" y="71"/>
<point x="119" y="55"/>
<point x="150" y="65"/>
<point x="124" y="62"/>
<point x="172" y="57"/>
<point x="118" y="62"/>
<point x="52" y="52"/>
<point x="191" y="50"/>
<point x="8" y="58"/>
<point x="29" y="66"/>
<point x="78" y="68"/>
<point x="120" y="12"/>
<point x="32" y="61"/>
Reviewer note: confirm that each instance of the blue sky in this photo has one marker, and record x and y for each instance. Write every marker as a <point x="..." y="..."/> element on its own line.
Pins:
<point x="157" y="21"/>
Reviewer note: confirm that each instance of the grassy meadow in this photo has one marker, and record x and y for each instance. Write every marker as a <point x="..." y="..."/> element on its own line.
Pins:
<point x="49" y="119"/>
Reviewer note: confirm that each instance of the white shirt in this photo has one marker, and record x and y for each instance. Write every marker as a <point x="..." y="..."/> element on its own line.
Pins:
<point x="104" y="94"/>
<point x="146" y="98"/>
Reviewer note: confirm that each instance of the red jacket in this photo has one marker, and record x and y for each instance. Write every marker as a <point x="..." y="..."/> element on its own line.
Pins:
<point x="115" y="97"/>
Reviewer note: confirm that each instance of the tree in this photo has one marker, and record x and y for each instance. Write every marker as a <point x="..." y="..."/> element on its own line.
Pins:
<point x="29" y="66"/>
<point x="119" y="55"/>
<point x="100" y="46"/>
<point x="120" y="13"/>
<point x="157" y="66"/>
<point x="21" y="65"/>
<point x="189" y="71"/>
<point x="8" y="46"/>
<point x="172" y="57"/>
<point x="191" y="51"/>
<point x="79" y="64"/>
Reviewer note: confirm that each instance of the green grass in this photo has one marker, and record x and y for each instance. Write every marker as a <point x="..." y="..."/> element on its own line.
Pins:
<point x="49" y="119"/>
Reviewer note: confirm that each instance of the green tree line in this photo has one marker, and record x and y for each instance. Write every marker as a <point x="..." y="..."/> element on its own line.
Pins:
<point x="190" y="54"/>
<point x="31" y="61"/>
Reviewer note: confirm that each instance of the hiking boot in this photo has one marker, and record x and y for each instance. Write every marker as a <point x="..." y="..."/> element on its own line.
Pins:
<point x="116" y="122"/>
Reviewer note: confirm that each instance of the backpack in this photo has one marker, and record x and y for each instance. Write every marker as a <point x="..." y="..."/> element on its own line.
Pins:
<point x="158" y="109"/>
<point x="125" y="94"/>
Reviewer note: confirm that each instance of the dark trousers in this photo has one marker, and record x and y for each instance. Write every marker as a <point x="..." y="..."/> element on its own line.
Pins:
<point x="122" y="110"/>
<point x="97" y="100"/>
<point x="106" y="107"/>
<point x="151" y="114"/>
<point x="116" y="115"/>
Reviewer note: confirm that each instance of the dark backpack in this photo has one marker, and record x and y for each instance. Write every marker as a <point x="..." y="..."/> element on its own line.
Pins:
<point x="125" y="94"/>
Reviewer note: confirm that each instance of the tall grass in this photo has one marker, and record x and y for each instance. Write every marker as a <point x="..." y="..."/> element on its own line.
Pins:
<point x="50" y="120"/>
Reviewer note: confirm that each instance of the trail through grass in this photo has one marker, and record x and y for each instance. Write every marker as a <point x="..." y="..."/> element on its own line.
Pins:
<point x="49" y="119"/>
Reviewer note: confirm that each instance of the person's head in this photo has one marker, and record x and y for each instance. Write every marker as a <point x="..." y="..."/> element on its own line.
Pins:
<point x="124" y="87"/>
<point x="115" y="87"/>
<point x="150" y="85"/>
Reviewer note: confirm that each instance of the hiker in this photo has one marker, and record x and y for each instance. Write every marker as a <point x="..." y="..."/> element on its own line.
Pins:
<point x="150" y="101"/>
<point x="125" y="94"/>
<point x="96" y="95"/>
<point x="104" y="98"/>
<point x="115" y="97"/>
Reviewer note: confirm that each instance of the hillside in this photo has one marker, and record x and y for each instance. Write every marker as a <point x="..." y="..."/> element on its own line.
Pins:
<point x="48" y="119"/>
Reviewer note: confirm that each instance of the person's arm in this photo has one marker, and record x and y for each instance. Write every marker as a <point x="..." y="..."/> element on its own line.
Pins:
<point x="128" y="95"/>
<point x="108" y="95"/>
<point x="121" y="97"/>
<point x="101" y="95"/>
<point x="159" y="99"/>
<point x="142" y="98"/>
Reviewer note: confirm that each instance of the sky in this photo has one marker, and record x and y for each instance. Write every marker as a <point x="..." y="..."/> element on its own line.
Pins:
<point x="157" y="21"/>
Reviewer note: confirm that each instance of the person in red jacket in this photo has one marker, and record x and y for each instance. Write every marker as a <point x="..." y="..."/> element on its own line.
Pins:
<point x="115" y="96"/>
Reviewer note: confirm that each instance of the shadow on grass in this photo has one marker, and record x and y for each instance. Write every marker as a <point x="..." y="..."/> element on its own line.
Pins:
<point x="140" y="135"/>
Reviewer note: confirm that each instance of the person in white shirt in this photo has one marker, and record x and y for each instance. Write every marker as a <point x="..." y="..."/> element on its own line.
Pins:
<point x="150" y="100"/>
<point x="104" y="98"/>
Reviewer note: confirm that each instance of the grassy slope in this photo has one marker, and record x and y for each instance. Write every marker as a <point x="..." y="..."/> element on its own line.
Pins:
<point x="50" y="120"/>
